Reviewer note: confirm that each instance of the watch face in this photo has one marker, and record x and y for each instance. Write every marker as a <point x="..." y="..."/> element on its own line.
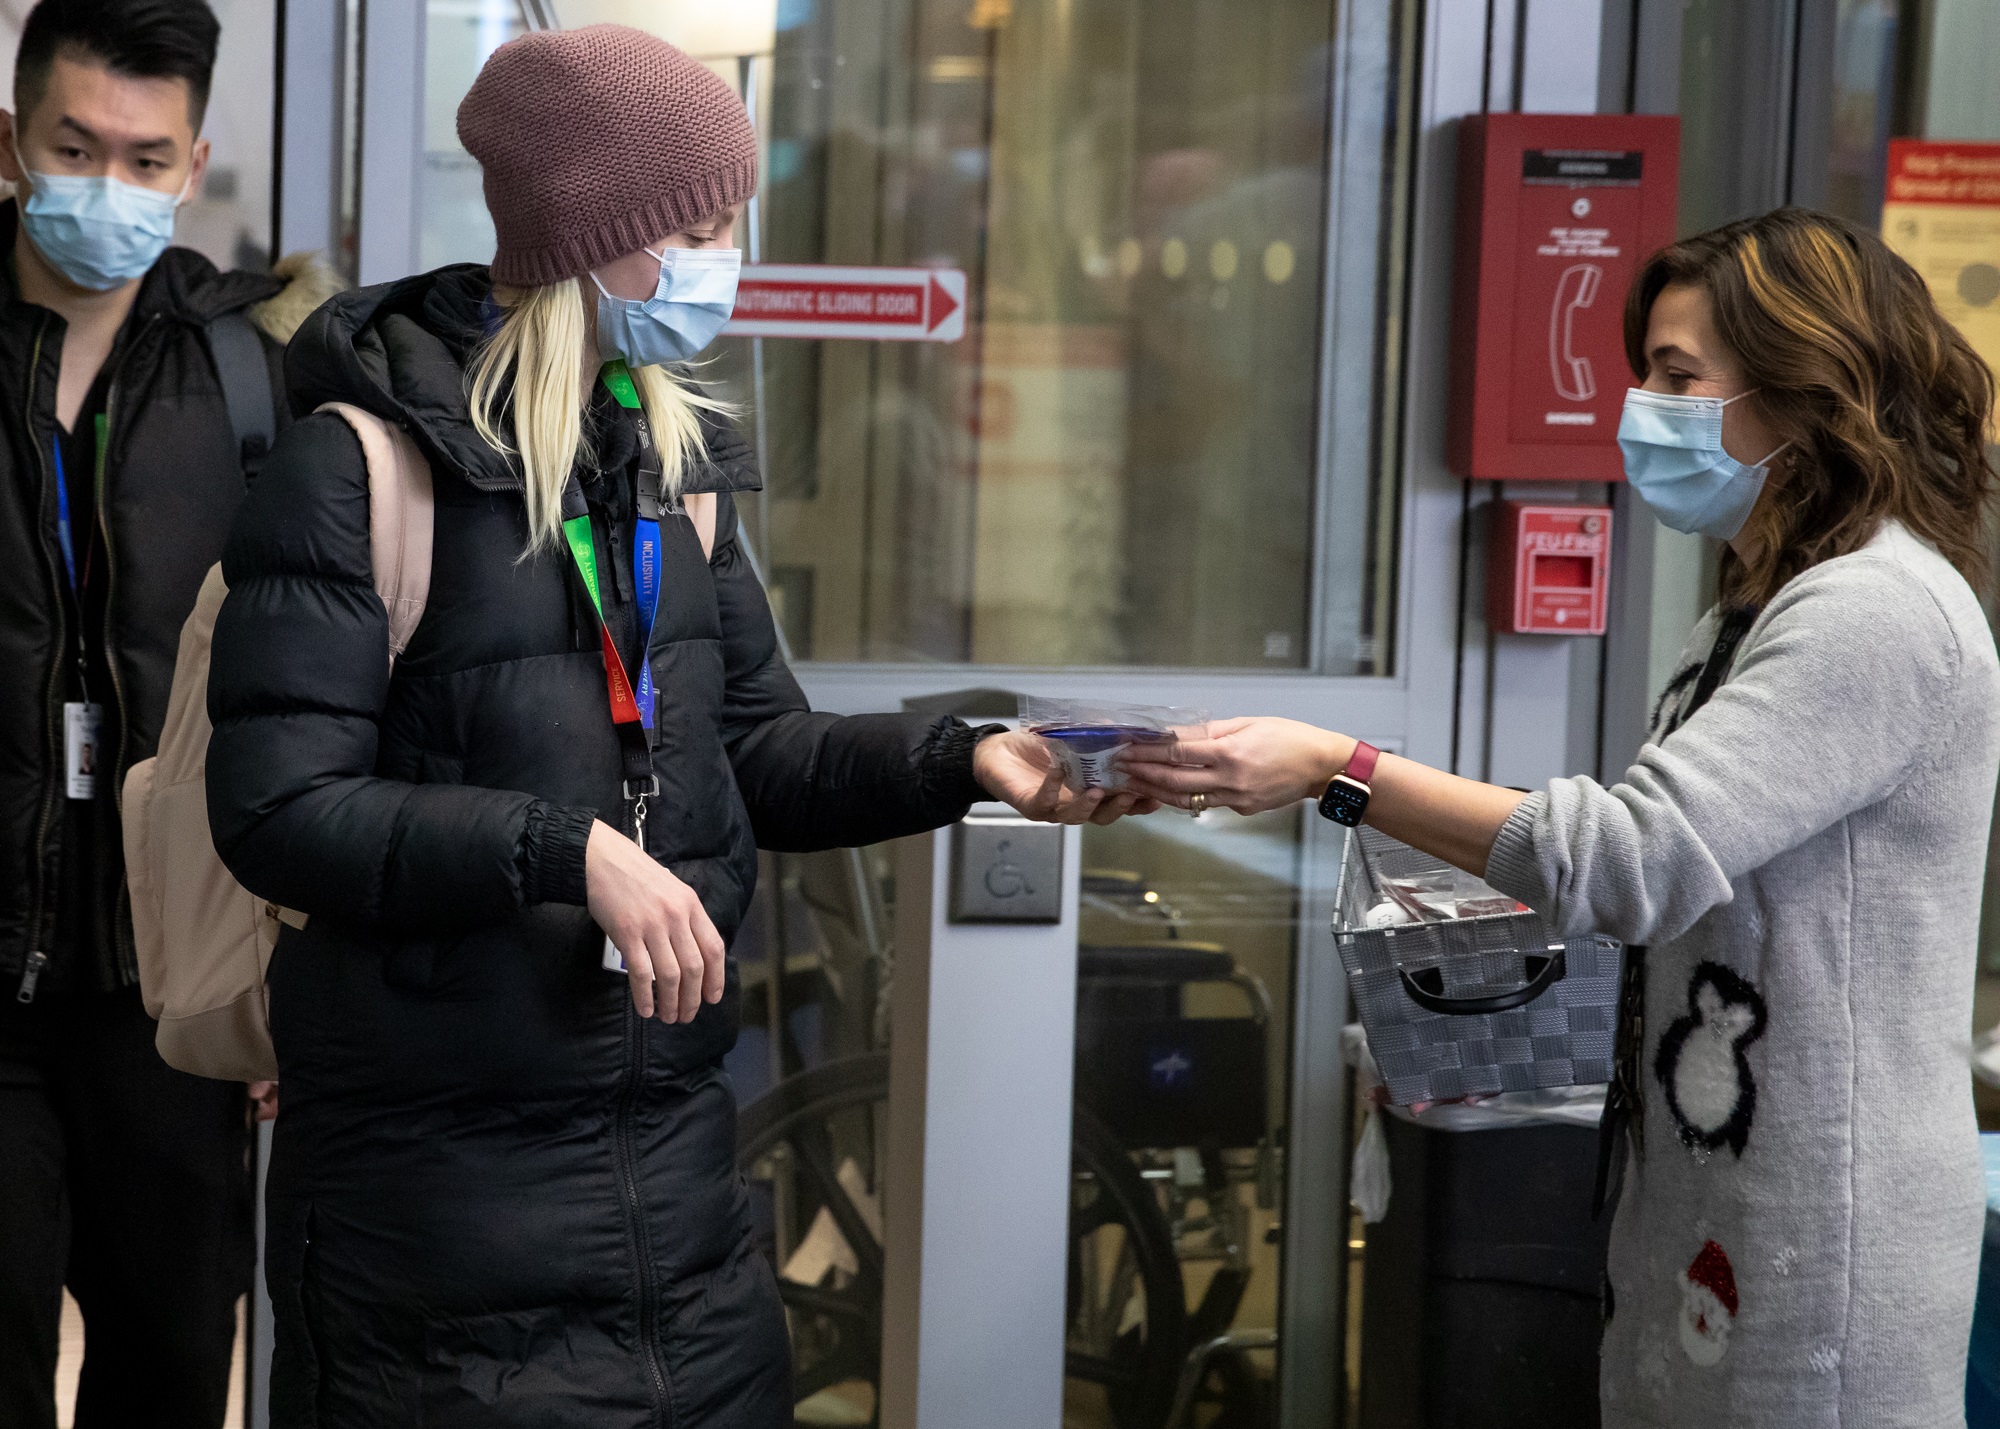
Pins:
<point x="1345" y="801"/>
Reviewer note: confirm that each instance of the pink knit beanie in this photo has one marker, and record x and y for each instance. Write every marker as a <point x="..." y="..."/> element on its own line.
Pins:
<point x="597" y="142"/>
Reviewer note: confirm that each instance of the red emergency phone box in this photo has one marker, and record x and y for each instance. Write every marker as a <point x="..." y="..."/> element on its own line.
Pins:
<point x="1555" y="214"/>
<point x="1548" y="569"/>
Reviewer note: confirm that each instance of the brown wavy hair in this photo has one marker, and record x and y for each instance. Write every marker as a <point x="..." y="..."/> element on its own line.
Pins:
<point x="1887" y="408"/>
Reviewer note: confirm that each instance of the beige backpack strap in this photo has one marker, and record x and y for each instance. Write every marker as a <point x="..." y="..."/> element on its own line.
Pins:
<point x="701" y="509"/>
<point x="401" y="519"/>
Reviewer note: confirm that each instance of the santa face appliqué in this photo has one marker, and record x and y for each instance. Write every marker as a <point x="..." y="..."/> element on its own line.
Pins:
<point x="1702" y="1064"/>
<point x="1708" y="1305"/>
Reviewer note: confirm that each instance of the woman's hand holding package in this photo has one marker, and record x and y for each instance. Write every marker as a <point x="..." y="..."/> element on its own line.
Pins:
<point x="1251" y="765"/>
<point x="1018" y="769"/>
<point x="673" y="955"/>
<point x="1248" y="765"/>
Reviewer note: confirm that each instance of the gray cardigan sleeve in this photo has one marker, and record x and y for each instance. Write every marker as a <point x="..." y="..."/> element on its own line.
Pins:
<point x="1838" y="692"/>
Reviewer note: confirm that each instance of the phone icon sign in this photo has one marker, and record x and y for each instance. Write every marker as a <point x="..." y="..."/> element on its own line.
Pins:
<point x="1577" y="288"/>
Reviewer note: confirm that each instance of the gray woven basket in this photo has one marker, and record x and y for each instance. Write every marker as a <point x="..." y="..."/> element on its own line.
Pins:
<point x="1449" y="1006"/>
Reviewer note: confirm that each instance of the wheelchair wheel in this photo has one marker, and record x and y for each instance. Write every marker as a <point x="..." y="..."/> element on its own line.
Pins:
<point x="813" y="1153"/>
<point x="1126" y="1303"/>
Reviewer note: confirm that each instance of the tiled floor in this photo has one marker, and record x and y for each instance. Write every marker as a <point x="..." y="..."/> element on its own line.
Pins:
<point x="70" y="1363"/>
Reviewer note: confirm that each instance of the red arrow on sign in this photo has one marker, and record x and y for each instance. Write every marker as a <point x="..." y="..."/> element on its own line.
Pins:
<point x="942" y="305"/>
<point x="811" y="300"/>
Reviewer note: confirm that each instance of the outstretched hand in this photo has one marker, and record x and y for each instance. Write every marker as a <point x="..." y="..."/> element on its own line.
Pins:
<point x="1248" y="765"/>
<point x="1018" y="769"/>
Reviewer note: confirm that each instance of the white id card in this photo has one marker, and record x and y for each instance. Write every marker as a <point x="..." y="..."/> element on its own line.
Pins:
<point x="81" y="723"/>
<point x="614" y="961"/>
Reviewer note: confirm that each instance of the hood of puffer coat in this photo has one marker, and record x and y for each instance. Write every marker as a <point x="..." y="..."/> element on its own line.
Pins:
<point x="400" y="350"/>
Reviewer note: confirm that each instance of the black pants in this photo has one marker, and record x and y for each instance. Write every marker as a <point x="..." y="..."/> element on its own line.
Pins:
<point x="129" y="1182"/>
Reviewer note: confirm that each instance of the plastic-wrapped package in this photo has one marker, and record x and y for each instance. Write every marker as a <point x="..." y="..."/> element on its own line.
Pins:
<point x="1439" y="895"/>
<point x="1084" y="735"/>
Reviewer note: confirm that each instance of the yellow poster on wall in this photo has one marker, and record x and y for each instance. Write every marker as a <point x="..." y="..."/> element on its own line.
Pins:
<point x="1941" y="212"/>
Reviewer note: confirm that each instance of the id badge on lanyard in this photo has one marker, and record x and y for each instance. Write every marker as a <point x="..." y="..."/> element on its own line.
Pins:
<point x="632" y="706"/>
<point x="83" y="720"/>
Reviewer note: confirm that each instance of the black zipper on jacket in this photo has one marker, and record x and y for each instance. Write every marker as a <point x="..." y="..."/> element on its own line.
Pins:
<point x="635" y="1072"/>
<point x="41" y="914"/>
<point x="628" y="1185"/>
<point x="41" y="921"/>
<point x="624" y="1139"/>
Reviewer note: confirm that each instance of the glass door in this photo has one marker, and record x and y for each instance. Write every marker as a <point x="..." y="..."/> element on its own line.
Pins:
<point x="1138" y="194"/>
<point x="1158" y="467"/>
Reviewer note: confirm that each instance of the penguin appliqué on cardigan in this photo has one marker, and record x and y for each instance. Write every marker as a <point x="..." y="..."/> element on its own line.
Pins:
<point x="1702" y="1063"/>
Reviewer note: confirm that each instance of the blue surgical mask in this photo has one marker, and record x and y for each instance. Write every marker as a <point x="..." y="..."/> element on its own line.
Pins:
<point x="98" y="231"/>
<point x="1675" y="461"/>
<point x="695" y="296"/>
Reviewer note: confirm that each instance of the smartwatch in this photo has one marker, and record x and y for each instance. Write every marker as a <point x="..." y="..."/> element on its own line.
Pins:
<point x="1346" y="798"/>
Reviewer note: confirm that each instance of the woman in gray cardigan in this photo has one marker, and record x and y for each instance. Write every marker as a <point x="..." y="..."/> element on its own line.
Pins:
<point x="1798" y="1237"/>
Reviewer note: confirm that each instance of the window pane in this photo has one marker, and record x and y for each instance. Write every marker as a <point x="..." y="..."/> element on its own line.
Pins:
<point x="1866" y="50"/>
<point x="1189" y="939"/>
<point x="453" y="225"/>
<point x="1916" y="68"/>
<point x="229" y="219"/>
<point x="1116" y="464"/>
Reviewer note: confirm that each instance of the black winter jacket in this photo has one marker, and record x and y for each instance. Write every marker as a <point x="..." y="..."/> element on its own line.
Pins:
<point x="497" y="1197"/>
<point x="173" y="480"/>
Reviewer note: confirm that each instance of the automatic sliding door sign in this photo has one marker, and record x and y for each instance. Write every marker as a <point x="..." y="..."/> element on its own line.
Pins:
<point x="813" y="300"/>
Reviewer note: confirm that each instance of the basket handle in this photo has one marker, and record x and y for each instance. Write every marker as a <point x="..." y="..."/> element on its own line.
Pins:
<point x="1540" y="980"/>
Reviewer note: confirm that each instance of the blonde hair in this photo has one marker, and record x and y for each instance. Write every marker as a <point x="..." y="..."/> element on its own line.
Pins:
<point x="532" y="361"/>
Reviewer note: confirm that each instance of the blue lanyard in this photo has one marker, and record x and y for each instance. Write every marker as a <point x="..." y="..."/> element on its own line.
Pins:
<point x="62" y="514"/>
<point x="646" y="585"/>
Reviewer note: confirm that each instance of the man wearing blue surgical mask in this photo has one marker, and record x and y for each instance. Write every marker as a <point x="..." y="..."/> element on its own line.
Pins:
<point x="120" y="469"/>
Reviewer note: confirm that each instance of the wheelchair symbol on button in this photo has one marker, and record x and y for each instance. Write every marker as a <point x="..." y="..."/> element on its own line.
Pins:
<point x="1005" y="878"/>
<point x="1006" y="871"/>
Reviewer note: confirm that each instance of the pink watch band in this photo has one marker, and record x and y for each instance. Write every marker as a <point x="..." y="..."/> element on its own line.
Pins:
<point x="1361" y="766"/>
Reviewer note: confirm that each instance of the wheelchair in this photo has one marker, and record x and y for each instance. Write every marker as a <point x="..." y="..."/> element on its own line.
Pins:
<point x="1169" y="1132"/>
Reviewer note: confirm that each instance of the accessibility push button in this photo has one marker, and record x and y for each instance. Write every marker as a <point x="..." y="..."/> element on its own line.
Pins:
<point x="1005" y="869"/>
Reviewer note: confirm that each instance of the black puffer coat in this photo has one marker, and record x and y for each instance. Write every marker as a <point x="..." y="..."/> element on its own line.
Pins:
<point x="497" y="1197"/>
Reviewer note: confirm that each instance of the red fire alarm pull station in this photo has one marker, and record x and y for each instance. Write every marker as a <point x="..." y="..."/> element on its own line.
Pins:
<point x="1555" y="214"/>
<point x="1549" y="569"/>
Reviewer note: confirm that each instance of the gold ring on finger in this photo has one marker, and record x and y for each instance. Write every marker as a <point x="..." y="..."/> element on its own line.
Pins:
<point x="1197" y="804"/>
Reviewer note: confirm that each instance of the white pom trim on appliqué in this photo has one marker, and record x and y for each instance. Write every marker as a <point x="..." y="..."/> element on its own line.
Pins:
<point x="1705" y="1325"/>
